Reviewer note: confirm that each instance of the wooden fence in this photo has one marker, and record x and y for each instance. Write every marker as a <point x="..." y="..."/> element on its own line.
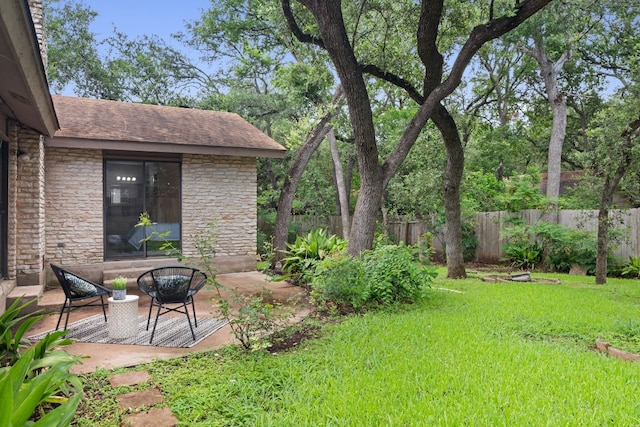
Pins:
<point x="488" y="228"/>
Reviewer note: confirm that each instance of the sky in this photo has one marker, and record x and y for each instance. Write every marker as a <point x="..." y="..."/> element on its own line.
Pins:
<point x="138" y="17"/>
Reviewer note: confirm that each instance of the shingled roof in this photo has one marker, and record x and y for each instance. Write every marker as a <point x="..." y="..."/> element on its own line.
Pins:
<point x="124" y="126"/>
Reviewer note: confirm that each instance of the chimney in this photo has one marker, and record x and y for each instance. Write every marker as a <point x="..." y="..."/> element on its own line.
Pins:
<point x="37" y="16"/>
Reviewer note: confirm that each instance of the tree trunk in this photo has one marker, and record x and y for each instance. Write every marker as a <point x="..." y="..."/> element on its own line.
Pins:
<point x="603" y="243"/>
<point x="283" y="211"/>
<point x="550" y="71"/>
<point x="452" y="179"/>
<point x="342" y="191"/>
<point x="609" y="188"/>
<point x="365" y="214"/>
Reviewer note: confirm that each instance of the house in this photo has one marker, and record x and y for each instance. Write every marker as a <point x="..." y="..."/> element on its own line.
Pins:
<point x="111" y="161"/>
<point x="75" y="174"/>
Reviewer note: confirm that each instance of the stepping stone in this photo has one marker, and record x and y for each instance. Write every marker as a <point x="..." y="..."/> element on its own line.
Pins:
<point x="155" y="417"/>
<point x="138" y="399"/>
<point x="129" y="378"/>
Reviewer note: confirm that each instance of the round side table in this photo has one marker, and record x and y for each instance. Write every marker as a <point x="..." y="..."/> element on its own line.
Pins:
<point x="123" y="317"/>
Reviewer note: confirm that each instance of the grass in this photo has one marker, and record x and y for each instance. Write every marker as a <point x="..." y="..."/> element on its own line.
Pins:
<point x="499" y="354"/>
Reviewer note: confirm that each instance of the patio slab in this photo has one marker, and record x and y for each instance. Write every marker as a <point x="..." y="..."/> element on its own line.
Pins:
<point x="110" y="356"/>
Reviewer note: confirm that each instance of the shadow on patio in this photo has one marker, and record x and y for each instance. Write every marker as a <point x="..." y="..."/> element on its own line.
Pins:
<point x="111" y="356"/>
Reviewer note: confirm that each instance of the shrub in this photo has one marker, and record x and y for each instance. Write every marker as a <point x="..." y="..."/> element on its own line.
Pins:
<point x="395" y="275"/>
<point x="556" y="246"/>
<point x="523" y="256"/>
<point x="340" y="280"/>
<point x="382" y="276"/>
<point x="469" y="241"/>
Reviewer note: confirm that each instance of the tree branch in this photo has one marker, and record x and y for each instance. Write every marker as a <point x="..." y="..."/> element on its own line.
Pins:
<point x="295" y="29"/>
<point x="478" y="37"/>
<point x="394" y="79"/>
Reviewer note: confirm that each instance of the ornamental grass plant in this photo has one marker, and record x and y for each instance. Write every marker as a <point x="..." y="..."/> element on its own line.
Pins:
<point x="473" y="353"/>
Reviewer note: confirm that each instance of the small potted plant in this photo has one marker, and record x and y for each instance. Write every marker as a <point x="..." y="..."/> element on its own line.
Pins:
<point x="119" y="286"/>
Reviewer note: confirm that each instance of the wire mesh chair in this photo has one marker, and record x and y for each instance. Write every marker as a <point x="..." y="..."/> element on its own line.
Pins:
<point x="78" y="289"/>
<point x="171" y="286"/>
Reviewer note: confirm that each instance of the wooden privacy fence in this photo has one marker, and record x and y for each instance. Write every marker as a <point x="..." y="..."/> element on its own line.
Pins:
<point x="399" y="229"/>
<point x="488" y="227"/>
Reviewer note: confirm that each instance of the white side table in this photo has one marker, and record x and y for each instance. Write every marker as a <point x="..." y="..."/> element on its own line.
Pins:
<point x="123" y="317"/>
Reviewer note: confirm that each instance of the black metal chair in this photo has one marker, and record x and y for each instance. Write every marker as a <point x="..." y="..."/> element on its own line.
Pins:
<point x="78" y="289"/>
<point x="170" y="286"/>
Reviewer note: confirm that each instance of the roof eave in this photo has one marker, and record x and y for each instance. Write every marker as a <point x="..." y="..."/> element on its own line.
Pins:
<point x="32" y="96"/>
<point x="161" y="147"/>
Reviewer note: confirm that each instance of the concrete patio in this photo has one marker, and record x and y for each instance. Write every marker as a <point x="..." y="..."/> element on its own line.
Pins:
<point x="111" y="356"/>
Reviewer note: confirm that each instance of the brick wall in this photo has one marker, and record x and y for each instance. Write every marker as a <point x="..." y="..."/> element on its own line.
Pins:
<point x="221" y="189"/>
<point x="74" y="219"/>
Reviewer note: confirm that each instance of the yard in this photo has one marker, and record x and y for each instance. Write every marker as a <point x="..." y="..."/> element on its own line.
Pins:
<point x="474" y="354"/>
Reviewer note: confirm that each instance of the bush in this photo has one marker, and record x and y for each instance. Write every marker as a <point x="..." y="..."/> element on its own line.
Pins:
<point x="553" y="245"/>
<point x="340" y="280"/>
<point x="383" y="276"/>
<point x="395" y="275"/>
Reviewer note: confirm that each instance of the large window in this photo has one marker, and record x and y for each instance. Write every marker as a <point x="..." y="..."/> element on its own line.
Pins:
<point x="133" y="187"/>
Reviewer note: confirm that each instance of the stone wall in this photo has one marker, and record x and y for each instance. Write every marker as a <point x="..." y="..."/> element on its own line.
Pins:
<point x="28" y="204"/>
<point x="214" y="188"/>
<point x="223" y="190"/>
<point x="74" y="219"/>
<point x="37" y="16"/>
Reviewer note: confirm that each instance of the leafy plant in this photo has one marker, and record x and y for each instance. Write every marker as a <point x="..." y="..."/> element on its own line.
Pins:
<point x="553" y="245"/>
<point x="35" y="381"/>
<point x="395" y="275"/>
<point x="303" y="255"/>
<point x="632" y="268"/>
<point x="340" y="281"/>
<point x="382" y="276"/>
<point x="523" y="256"/>
<point x="119" y="283"/>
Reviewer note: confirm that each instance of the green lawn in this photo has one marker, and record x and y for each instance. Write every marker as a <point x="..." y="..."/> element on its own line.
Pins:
<point x="491" y="354"/>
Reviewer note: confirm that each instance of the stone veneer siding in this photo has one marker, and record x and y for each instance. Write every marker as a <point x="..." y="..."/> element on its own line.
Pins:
<point x="214" y="188"/>
<point x="37" y="16"/>
<point x="223" y="190"/>
<point x="74" y="206"/>
<point x="27" y="200"/>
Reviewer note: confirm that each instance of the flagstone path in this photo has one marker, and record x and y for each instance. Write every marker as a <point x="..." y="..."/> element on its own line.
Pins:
<point x="144" y="408"/>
